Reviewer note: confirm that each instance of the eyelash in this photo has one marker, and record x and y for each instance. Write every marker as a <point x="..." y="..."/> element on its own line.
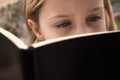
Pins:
<point x="94" y="18"/>
<point x="64" y="24"/>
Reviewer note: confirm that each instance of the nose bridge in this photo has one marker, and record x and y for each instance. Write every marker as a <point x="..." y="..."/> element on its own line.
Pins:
<point x="81" y="27"/>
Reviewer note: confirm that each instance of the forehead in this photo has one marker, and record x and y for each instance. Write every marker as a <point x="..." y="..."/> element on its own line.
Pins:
<point x="72" y="2"/>
<point x="68" y="5"/>
<point x="57" y="5"/>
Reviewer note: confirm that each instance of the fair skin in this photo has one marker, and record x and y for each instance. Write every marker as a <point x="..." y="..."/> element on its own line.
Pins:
<point x="58" y="18"/>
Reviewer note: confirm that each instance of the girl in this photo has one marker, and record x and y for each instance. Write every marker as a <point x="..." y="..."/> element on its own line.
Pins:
<point x="57" y="18"/>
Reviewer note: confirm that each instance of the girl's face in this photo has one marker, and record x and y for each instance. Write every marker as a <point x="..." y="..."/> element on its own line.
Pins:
<point x="58" y="18"/>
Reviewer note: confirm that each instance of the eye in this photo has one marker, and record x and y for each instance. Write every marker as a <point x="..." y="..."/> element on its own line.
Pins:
<point x="94" y="18"/>
<point x="64" y="24"/>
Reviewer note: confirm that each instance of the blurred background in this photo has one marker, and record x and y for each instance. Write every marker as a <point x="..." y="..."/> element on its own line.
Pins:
<point x="12" y="17"/>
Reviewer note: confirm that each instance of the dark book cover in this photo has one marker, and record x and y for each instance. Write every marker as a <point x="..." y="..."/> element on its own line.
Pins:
<point x="88" y="57"/>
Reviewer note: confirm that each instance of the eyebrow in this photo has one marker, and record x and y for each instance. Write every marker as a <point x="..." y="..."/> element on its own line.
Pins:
<point x="62" y="15"/>
<point x="96" y="9"/>
<point x="65" y="15"/>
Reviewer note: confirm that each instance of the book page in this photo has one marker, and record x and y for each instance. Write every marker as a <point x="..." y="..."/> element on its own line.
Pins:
<point x="19" y="43"/>
<point x="50" y="41"/>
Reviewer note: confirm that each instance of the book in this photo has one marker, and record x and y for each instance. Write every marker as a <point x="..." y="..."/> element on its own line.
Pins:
<point x="93" y="56"/>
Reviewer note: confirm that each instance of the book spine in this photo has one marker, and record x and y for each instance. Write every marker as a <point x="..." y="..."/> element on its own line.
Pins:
<point x="38" y="70"/>
<point x="27" y="61"/>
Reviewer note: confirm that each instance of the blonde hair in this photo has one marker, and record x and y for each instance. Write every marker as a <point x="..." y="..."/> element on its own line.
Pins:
<point x="31" y="11"/>
<point x="32" y="8"/>
<point x="110" y="20"/>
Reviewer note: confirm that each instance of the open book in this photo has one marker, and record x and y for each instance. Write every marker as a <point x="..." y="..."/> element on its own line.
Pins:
<point x="92" y="56"/>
